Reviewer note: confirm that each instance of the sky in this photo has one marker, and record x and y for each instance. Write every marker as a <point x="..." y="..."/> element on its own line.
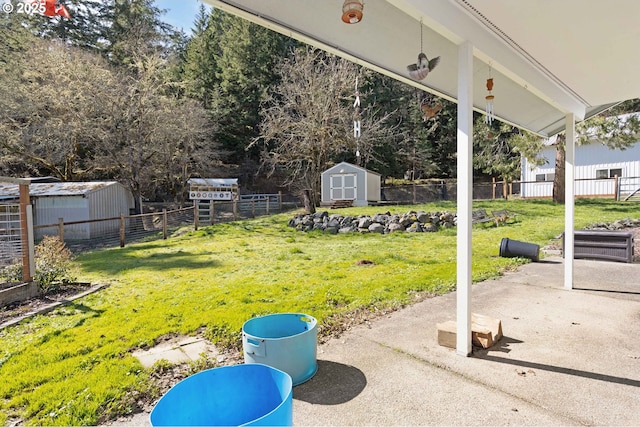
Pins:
<point x="180" y="13"/>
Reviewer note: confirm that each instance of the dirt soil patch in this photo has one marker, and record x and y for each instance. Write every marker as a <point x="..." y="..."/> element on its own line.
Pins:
<point x="22" y="309"/>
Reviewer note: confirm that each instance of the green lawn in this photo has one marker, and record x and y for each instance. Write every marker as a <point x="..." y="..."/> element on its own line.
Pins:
<point x="74" y="367"/>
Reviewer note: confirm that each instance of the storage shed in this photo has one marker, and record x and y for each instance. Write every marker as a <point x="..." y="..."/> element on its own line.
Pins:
<point x="75" y="201"/>
<point x="345" y="181"/>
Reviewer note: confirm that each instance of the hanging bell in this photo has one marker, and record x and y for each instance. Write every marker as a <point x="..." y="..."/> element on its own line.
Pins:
<point x="352" y="11"/>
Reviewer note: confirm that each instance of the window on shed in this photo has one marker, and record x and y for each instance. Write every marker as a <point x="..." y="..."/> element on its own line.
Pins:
<point x="540" y="177"/>
<point x="615" y="172"/>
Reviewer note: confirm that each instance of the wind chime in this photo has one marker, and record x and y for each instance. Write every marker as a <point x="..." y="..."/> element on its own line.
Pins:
<point x="489" y="110"/>
<point x="356" y="122"/>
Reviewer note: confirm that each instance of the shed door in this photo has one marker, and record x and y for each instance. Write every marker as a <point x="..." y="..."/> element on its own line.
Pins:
<point x="343" y="186"/>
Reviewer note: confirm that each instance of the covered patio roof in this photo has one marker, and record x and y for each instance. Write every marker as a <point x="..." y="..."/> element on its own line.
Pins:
<point x="553" y="62"/>
<point x="547" y="57"/>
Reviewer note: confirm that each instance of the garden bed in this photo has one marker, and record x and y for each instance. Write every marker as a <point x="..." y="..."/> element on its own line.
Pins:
<point x="22" y="309"/>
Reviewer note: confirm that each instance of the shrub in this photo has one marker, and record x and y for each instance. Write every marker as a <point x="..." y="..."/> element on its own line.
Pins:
<point x="12" y="272"/>
<point x="53" y="264"/>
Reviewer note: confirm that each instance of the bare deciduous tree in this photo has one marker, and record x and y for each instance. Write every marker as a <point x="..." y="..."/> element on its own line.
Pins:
<point x="52" y="109"/>
<point x="67" y="113"/>
<point x="153" y="137"/>
<point x="307" y="120"/>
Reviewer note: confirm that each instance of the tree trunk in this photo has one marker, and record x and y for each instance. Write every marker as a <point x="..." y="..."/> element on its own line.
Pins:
<point x="309" y="205"/>
<point x="558" y="180"/>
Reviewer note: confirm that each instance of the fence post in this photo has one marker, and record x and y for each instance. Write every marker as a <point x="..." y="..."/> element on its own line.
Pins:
<point x="213" y="212"/>
<point x="24" y="231"/>
<point x="195" y="215"/>
<point x="510" y="189"/>
<point x="31" y="250"/>
<point x="61" y="229"/>
<point x="164" y="224"/>
<point x="493" y="188"/>
<point x="235" y="210"/>
<point x="279" y="201"/>
<point x="616" y="188"/>
<point x="121" y="230"/>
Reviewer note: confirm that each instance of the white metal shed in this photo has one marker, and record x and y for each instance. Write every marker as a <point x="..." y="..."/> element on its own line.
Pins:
<point x="346" y="181"/>
<point x="76" y="201"/>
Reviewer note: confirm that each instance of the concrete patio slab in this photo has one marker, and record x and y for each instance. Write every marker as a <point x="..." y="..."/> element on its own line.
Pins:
<point x="568" y="357"/>
<point x="180" y="350"/>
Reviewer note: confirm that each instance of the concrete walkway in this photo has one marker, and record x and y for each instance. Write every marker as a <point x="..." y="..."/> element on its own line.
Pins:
<point x="567" y="358"/>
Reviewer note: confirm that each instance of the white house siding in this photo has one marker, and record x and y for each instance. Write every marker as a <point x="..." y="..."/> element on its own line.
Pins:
<point x="589" y="159"/>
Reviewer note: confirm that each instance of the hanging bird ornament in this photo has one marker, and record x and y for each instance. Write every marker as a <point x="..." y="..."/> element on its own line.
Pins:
<point x="421" y="69"/>
<point x="423" y="66"/>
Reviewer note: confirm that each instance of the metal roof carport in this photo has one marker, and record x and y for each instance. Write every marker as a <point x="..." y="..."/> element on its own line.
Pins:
<point x="553" y="62"/>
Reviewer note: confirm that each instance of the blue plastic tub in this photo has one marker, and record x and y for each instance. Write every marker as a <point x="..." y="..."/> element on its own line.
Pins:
<point x="285" y="341"/>
<point x="252" y="395"/>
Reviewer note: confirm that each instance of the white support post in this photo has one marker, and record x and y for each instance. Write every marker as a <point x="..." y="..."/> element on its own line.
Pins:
<point x="569" y="199"/>
<point x="465" y="197"/>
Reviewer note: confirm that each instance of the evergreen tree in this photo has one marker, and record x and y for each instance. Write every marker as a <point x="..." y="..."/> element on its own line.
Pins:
<point x="423" y="142"/>
<point x="199" y="65"/>
<point x="245" y="57"/>
<point x="136" y="30"/>
<point x="87" y="27"/>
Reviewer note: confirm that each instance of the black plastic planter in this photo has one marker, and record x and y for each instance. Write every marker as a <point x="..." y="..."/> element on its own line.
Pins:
<point x="514" y="248"/>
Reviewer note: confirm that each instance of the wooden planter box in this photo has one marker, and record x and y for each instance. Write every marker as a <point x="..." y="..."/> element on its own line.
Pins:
<point x="602" y="244"/>
<point x="21" y="292"/>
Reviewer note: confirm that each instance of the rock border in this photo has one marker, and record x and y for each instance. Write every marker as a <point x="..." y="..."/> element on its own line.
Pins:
<point x="411" y="222"/>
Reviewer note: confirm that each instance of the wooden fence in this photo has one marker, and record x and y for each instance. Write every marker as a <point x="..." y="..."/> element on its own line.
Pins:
<point x="118" y="231"/>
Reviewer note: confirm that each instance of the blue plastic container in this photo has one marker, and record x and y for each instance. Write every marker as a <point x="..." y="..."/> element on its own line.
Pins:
<point x="253" y="395"/>
<point x="285" y="341"/>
